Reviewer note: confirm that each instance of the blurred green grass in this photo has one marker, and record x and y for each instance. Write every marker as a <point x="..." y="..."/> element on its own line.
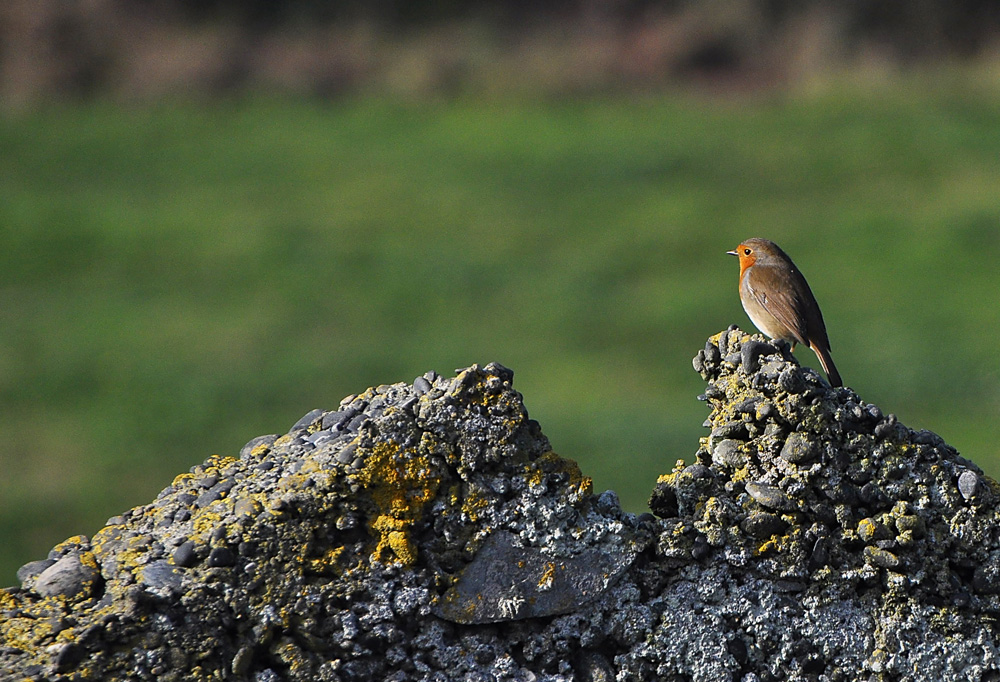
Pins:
<point x="177" y="279"/>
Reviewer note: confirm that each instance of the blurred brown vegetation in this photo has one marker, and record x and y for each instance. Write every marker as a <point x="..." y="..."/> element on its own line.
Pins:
<point x="146" y="49"/>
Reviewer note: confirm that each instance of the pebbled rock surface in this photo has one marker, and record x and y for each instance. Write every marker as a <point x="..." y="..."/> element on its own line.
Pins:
<point x="427" y="531"/>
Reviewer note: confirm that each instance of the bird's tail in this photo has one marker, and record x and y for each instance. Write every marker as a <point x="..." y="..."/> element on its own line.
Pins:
<point x="831" y="369"/>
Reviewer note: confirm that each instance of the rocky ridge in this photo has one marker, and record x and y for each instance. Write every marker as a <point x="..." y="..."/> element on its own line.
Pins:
<point x="427" y="531"/>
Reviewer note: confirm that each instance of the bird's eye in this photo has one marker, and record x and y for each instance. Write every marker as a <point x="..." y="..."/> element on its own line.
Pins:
<point x="747" y="252"/>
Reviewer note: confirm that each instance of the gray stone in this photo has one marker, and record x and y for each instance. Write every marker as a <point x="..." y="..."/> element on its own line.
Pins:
<point x="798" y="448"/>
<point x="160" y="576"/>
<point x="770" y="496"/>
<point x="262" y="442"/>
<point x="969" y="485"/>
<point x="307" y="419"/>
<point x="791" y="381"/>
<point x="221" y="556"/>
<point x="32" y="569"/>
<point x="762" y="525"/>
<point x="727" y="453"/>
<point x="69" y="577"/>
<point x="750" y="354"/>
<point x="185" y="555"/>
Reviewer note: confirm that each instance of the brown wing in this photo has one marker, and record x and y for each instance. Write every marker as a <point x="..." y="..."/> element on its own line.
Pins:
<point x="779" y="299"/>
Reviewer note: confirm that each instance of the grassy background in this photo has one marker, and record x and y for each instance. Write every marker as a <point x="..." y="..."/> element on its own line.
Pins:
<point x="177" y="279"/>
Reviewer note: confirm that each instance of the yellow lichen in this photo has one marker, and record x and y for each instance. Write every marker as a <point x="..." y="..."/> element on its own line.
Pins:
<point x="208" y="519"/>
<point x="89" y="560"/>
<point x="260" y="450"/>
<point x="475" y="501"/>
<point x="401" y="545"/>
<point x="223" y="461"/>
<point x="550" y="462"/>
<point x="400" y="482"/>
<point x="7" y="601"/>
<point x="866" y="528"/>
<point x="328" y="562"/>
<point x="741" y="474"/>
<point x="282" y="440"/>
<point x="69" y="544"/>
<point x="103" y="536"/>
<point x="548" y="576"/>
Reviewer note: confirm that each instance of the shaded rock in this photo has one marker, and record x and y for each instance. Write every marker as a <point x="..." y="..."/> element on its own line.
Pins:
<point x="505" y="582"/>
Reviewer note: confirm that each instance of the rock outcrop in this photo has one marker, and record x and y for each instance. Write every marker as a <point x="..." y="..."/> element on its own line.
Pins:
<point x="427" y="531"/>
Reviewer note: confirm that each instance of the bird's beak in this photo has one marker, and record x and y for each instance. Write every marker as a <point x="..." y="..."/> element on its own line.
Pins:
<point x="732" y="253"/>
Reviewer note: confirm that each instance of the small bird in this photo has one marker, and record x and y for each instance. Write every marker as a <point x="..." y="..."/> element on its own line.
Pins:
<point x="779" y="302"/>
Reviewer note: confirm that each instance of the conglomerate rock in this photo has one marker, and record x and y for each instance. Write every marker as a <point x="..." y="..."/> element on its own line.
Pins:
<point x="428" y="532"/>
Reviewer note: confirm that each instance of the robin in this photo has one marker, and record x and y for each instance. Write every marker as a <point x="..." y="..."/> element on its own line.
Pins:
<point x="779" y="302"/>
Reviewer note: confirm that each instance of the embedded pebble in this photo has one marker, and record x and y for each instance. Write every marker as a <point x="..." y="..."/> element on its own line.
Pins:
<point x="347" y="454"/>
<point x="727" y="452"/>
<point x="319" y="437"/>
<point x="798" y="448"/>
<point x="873" y="497"/>
<point x="791" y="380"/>
<point x="969" y="485"/>
<point x="734" y="429"/>
<point x="68" y="657"/>
<point x="699" y="362"/>
<point x="354" y="424"/>
<point x="608" y="502"/>
<point x="750" y="354"/>
<point x="159" y="576"/>
<point x="870" y="530"/>
<point x="259" y="441"/>
<point x="698" y="471"/>
<point x="886" y="427"/>
<point x="67" y="577"/>
<point x="712" y="354"/>
<point x="421" y="385"/>
<point x="986" y="578"/>
<point x="208" y="497"/>
<point x="770" y="496"/>
<point x="185" y="555"/>
<point x="307" y="419"/>
<point x="339" y="420"/>
<point x="701" y="550"/>
<point x="221" y="556"/>
<point x="762" y="525"/>
<point x="882" y="558"/>
<point x="207" y="480"/>
<point x="32" y="569"/>
<point x="820" y="553"/>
